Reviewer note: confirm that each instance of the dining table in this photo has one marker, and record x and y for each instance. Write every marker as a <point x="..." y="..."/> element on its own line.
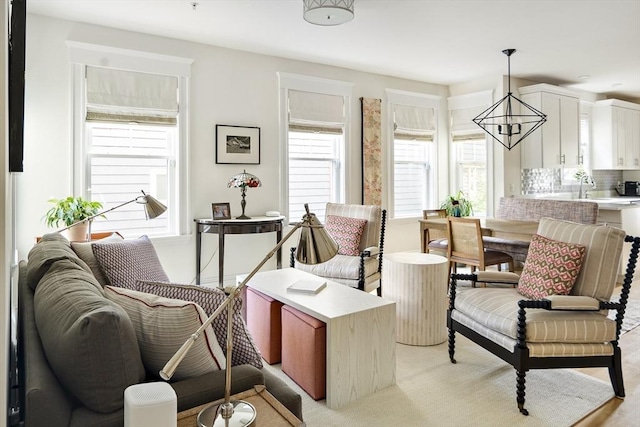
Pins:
<point x="507" y="229"/>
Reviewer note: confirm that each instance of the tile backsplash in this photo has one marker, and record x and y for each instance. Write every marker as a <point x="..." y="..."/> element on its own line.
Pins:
<point x="547" y="180"/>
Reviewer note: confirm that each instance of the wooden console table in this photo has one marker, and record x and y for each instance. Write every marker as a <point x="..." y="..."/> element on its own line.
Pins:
<point x="222" y="227"/>
<point x="270" y="412"/>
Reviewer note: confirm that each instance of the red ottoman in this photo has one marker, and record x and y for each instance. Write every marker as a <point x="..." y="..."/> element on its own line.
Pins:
<point x="304" y="340"/>
<point x="263" y="321"/>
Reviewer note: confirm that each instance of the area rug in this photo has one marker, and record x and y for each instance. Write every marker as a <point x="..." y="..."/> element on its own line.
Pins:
<point x="631" y="316"/>
<point x="480" y="390"/>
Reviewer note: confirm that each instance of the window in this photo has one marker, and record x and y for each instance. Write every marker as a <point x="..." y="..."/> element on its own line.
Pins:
<point x="470" y="151"/>
<point x="314" y="171"/>
<point x="413" y="153"/>
<point x="122" y="160"/>
<point x="315" y="128"/>
<point x="130" y="126"/>
<point x="471" y="172"/>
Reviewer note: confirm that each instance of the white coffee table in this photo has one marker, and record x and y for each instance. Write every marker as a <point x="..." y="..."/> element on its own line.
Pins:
<point x="361" y="356"/>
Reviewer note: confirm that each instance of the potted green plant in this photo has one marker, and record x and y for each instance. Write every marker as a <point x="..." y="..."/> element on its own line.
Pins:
<point x="457" y="205"/>
<point x="69" y="211"/>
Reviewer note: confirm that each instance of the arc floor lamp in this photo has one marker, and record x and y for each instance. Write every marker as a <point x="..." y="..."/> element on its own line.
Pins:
<point x="315" y="246"/>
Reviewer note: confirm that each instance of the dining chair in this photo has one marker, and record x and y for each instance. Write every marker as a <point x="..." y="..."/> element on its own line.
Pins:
<point x="466" y="246"/>
<point x="435" y="240"/>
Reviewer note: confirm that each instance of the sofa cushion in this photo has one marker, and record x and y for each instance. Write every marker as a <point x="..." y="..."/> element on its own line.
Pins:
<point x="341" y="267"/>
<point x="127" y="261"/>
<point x="347" y="233"/>
<point x="551" y="268"/>
<point x="51" y="248"/>
<point x="497" y="310"/>
<point x="245" y="350"/>
<point x="603" y="247"/>
<point x="88" y="340"/>
<point x="162" y="325"/>
<point x="84" y="251"/>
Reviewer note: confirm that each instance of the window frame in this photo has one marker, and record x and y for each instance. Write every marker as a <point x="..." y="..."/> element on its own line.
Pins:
<point x="83" y="54"/>
<point x="482" y="100"/>
<point x="288" y="81"/>
<point x="411" y="99"/>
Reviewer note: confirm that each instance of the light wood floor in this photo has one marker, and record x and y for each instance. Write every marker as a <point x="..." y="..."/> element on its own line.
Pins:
<point x="619" y="412"/>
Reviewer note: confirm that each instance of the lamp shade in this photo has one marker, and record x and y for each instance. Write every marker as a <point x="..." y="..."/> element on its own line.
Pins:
<point x="153" y="208"/>
<point x="244" y="179"/>
<point x="315" y="245"/>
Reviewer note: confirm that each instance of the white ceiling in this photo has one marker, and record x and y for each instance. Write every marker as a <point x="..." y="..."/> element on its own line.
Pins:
<point x="436" y="41"/>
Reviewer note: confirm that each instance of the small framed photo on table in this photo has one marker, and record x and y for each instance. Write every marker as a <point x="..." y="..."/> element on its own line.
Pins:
<point x="220" y="211"/>
<point x="237" y="144"/>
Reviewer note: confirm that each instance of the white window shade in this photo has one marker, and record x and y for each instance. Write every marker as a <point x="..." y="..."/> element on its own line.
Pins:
<point x="127" y="96"/>
<point x="462" y="125"/>
<point x="307" y="107"/>
<point x="414" y="122"/>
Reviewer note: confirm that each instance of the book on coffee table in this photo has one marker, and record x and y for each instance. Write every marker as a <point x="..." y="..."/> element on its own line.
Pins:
<point x="307" y="286"/>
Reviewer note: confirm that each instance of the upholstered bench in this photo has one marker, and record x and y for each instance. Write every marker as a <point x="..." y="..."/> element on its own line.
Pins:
<point x="304" y="351"/>
<point x="264" y="323"/>
<point x="525" y="209"/>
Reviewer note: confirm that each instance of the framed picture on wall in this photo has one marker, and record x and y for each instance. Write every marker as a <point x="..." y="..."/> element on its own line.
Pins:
<point x="220" y="211"/>
<point x="237" y="144"/>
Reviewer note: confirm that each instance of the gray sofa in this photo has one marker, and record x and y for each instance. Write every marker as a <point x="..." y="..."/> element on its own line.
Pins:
<point x="53" y="393"/>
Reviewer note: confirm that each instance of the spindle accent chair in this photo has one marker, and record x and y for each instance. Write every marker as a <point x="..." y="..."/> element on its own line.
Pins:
<point x="359" y="231"/>
<point x="555" y="331"/>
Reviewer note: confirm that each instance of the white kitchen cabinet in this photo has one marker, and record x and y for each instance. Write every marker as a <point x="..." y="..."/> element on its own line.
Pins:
<point x="557" y="142"/>
<point x="616" y="135"/>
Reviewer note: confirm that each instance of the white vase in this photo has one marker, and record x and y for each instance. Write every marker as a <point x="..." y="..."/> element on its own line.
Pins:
<point x="78" y="232"/>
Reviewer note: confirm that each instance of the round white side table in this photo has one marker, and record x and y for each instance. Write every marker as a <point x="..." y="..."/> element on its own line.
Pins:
<point x="417" y="282"/>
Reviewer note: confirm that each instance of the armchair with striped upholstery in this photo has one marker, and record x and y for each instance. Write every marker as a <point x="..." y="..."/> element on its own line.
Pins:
<point x="362" y="270"/>
<point x="555" y="331"/>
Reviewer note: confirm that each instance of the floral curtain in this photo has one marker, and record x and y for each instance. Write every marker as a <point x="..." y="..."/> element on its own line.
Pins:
<point x="371" y="152"/>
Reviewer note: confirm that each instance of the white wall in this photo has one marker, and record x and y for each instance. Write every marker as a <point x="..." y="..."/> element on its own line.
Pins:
<point x="227" y="87"/>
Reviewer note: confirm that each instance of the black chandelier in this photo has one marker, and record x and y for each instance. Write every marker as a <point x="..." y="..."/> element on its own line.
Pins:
<point x="500" y="119"/>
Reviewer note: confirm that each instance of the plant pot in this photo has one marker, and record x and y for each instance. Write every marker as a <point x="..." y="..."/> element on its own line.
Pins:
<point x="78" y="232"/>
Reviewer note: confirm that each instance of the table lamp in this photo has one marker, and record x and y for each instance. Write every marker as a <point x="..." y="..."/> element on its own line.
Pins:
<point x="152" y="209"/>
<point x="242" y="181"/>
<point x="315" y="246"/>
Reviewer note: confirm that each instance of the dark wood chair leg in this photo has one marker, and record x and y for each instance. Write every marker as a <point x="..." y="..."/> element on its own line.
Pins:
<point x="520" y="385"/>
<point x="452" y="345"/>
<point x="615" y="372"/>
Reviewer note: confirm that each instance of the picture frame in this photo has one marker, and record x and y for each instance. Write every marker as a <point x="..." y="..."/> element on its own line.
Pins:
<point x="220" y="210"/>
<point x="237" y="145"/>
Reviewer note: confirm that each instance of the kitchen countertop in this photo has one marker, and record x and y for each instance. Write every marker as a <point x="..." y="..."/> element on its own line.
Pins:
<point x="607" y="203"/>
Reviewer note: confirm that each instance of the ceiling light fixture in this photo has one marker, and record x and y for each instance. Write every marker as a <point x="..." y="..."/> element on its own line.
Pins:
<point x="499" y="117"/>
<point x="328" y="12"/>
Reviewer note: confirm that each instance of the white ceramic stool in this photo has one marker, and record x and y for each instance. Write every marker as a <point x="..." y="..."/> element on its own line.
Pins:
<point x="417" y="283"/>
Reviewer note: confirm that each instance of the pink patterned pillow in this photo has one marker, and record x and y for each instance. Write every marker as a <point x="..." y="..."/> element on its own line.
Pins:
<point x="551" y="268"/>
<point x="347" y="233"/>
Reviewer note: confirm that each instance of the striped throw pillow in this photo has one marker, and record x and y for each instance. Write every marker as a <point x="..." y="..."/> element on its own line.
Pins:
<point x="244" y="348"/>
<point x="162" y="325"/>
